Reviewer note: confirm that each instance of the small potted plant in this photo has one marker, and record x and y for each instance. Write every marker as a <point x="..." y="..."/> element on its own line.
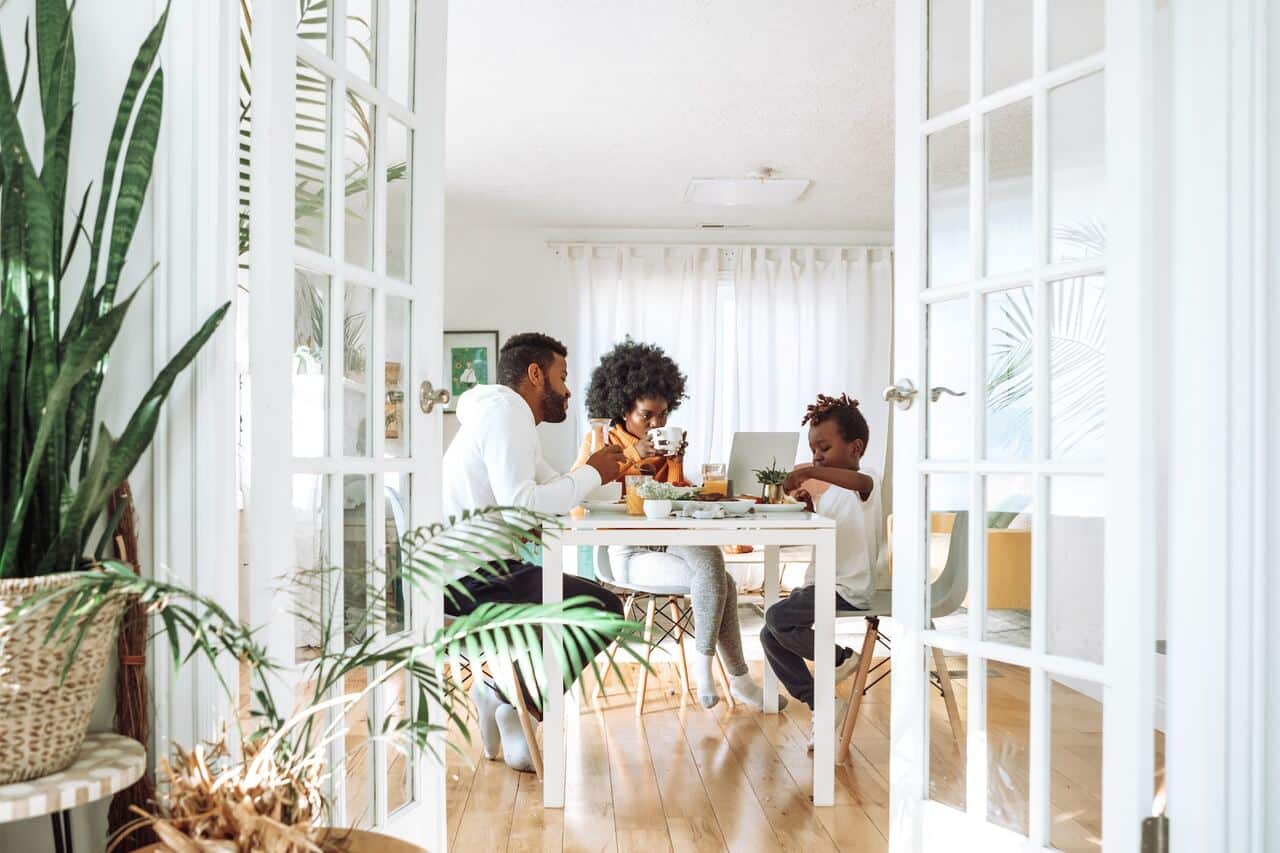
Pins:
<point x="59" y="468"/>
<point x="268" y="789"/>
<point x="660" y="498"/>
<point x="771" y="480"/>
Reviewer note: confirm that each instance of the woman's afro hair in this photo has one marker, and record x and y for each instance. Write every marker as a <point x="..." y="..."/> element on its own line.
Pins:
<point x="629" y="372"/>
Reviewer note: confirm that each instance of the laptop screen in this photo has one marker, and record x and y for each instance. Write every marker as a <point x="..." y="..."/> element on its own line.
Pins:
<point x="755" y="450"/>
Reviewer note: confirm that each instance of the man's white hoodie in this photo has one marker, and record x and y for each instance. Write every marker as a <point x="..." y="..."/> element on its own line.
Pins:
<point x="496" y="459"/>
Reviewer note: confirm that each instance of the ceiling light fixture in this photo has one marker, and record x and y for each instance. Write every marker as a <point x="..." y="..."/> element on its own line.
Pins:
<point x="761" y="188"/>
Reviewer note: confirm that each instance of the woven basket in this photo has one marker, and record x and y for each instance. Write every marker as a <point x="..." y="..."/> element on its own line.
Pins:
<point x="43" y="717"/>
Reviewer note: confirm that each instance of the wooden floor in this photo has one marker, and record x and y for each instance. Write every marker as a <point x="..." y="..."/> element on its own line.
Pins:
<point x="683" y="778"/>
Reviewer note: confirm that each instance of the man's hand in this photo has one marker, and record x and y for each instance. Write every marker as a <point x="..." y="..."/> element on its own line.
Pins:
<point x="797" y="476"/>
<point x="608" y="462"/>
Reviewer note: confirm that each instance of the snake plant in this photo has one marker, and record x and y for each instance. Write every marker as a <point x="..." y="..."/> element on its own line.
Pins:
<point x="56" y="469"/>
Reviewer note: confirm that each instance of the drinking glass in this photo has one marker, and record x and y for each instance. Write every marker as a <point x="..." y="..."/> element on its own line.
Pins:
<point x="715" y="478"/>
<point x="635" y="503"/>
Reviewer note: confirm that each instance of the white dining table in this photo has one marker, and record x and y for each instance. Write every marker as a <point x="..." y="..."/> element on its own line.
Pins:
<point x="767" y="530"/>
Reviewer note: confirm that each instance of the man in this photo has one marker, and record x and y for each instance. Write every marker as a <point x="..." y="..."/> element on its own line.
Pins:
<point x="496" y="460"/>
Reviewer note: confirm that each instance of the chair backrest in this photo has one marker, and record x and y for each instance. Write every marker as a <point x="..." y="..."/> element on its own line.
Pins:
<point x="948" y="591"/>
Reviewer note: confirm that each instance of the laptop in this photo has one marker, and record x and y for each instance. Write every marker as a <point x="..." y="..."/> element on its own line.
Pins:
<point x="755" y="450"/>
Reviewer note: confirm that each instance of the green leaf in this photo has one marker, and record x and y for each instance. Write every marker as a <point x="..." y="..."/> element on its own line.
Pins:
<point x="81" y="355"/>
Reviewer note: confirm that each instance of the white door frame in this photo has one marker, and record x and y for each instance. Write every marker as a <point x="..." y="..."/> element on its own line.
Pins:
<point x="1224" y="531"/>
<point x="1131" y="466"/>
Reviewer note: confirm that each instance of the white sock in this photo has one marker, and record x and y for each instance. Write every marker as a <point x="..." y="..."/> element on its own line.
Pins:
<point x="744" y="689"/>
<point x="515" y="749"/>
<point x="705" y="679"/>
<point x="487" y="702"/>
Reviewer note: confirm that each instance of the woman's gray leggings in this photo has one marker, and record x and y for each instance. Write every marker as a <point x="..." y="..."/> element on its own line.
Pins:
<point x="711" y="588"/>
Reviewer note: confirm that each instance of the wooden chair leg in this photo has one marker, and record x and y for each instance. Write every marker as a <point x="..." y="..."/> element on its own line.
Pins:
<point x="526" y="722"/>
<point x="948" y="695"/>
<point x="859" y="684"/>
<point x="643" y="682"/>
<point x="597" y="690"/>
<point x="685" y="689"/>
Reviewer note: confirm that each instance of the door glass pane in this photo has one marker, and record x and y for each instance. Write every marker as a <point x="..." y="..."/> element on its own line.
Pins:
<point x="357" y="556"/>
<point x="1008" y="745"/>
<point x="313" y="23"/>
<point x="948" y="417"/>
<point x="1008" y="504"/>
<point x="401" y="35"/>
<point x="1008" y="43"/>
<point x="1077" y="173"/>
<point x="397" y="370"/>
<point x="1075" y="766"/>
<point x="311" y="159"/>
<point x="1075" y="30"/>
<point x="399" y="775"/>
<point x="399" y="508"/>
<point x="949" y="206"/>
<point x="1009" y="374"/>
<point x="356" y="403"/>
<point x="946" y="709"/>
<point x="358" y="743"/>
<point x="399" y="195"/>
<point x="948" y="55"/>
<point x="1077" y="363"/>
<point x="1074" y="580"/>
<point x="311" y="554"/>
<point x="310" y="363"/>
<point x="357" y="170"/>
<point x="360" y="38"/>
<point x="1008" y="189"/>
<point x="947" y="497"/>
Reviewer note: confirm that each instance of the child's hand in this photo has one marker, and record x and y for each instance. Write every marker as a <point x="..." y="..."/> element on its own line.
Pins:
<point x="803" y="497"/>
<point x="797" y="476"/>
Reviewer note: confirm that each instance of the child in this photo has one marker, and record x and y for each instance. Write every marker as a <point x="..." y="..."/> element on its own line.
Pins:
<point x="833" y="486"/>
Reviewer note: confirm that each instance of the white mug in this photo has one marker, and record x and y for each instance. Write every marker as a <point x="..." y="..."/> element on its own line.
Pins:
<point x="666" y="440"/>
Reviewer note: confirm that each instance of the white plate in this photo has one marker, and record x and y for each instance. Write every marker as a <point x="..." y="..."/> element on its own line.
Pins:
<point x="731" y="507"/>
<point x="605" y="506"/>
<point x="780" y="508"/>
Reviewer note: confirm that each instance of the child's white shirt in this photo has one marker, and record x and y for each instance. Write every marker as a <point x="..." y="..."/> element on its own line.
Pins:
<point x="860" y="545"/>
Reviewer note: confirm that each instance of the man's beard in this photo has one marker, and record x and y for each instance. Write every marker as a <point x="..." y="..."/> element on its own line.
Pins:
<point x="555" y="407"/>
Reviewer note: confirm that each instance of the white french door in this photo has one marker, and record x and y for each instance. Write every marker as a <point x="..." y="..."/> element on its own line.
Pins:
<point x="345" y="315"/>
<point x="1015" y="498"/>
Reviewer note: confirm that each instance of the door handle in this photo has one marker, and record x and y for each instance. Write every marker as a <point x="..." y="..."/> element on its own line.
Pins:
<point x="903" y="394"/>
<point x="429" y="397"/>
<point x="938" y="390"/>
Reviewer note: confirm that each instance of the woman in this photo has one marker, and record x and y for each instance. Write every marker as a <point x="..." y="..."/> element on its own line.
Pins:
<point x="636" y="386"/>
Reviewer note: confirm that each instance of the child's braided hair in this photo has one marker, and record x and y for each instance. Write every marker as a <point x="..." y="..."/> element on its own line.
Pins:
<point x="843" y="411"/>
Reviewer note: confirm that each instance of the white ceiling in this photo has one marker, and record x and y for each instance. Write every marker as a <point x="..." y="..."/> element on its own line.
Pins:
<point x="598" y="112"/>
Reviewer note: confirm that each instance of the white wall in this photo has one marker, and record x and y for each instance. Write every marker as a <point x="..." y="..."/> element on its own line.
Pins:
<point x="106" y="37"/>
<point x="508" y="279"/>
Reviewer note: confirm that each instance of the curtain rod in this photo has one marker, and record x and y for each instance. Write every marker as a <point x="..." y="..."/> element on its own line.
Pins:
<point x="623" y="244"/>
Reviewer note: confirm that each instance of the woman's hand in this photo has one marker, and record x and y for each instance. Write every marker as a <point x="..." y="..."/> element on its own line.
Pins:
<point x="645" y="448"/>
<point x="797" y="477"/>
<point x="684" y="445"/>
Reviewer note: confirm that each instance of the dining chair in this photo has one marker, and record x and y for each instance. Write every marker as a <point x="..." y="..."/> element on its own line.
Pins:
<point x="946" y="593"/>
<point x="655" y="600"/>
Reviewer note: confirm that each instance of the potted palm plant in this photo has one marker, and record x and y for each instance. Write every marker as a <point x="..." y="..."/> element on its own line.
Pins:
<point x="57" y="470"/>
<point x="266" y="788"/>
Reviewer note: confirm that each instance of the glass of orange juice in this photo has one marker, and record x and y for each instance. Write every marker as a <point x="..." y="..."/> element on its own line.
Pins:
<point x="715" y="478"/>
<point x="635" y="503"/>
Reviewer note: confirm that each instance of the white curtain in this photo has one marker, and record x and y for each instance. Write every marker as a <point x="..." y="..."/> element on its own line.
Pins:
<point x="807" y="321"/>
<point x="658" y="295"/>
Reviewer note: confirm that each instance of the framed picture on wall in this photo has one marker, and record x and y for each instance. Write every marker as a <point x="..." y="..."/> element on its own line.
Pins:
<point x="471" y="359"/>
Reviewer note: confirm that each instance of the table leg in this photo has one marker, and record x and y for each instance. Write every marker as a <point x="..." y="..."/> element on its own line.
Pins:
<point x="62" y="831"/>
<point x="772" y="571"/>
<point x="824" y="667"/>
<point x="553" y="740"/>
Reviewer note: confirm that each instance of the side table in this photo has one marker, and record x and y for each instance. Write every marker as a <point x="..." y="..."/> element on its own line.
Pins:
<point x="107" y="763"/>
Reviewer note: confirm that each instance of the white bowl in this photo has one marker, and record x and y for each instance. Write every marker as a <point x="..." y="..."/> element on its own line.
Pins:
<point x="658" y="509"/>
